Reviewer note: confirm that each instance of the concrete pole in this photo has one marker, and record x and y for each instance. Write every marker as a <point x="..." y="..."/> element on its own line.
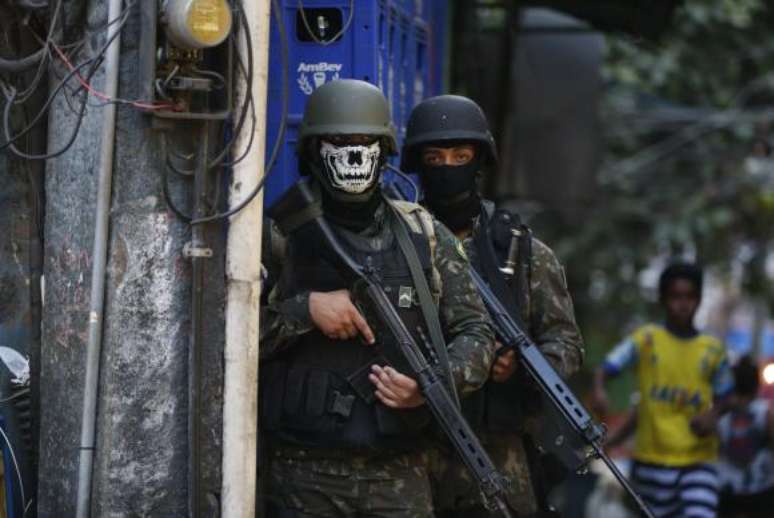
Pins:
<point x="243" y="262"/>
<point x="141" y="456"/>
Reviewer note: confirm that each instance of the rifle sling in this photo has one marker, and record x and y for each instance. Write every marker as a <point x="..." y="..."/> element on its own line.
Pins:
<point x="429" y="309"/>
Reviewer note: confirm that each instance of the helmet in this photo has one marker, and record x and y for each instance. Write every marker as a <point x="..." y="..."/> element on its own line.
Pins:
<point x="446" y="118"/>
<point x="347" y="107"/>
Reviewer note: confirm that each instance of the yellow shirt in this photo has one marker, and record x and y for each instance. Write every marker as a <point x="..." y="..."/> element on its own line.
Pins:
<point x="678" y="378"/>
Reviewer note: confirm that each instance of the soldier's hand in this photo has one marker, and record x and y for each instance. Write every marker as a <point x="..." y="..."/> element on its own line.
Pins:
<point x="504" y="365"/>
<point x="394" y="389"/>
<point x="337" y="317"/>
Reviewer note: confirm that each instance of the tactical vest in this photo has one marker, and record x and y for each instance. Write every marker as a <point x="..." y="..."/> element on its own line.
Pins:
<point x="317" y="393"/>
<point x="502" y="407"/>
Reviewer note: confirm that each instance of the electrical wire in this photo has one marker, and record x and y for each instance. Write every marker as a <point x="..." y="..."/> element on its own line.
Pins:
<point x="338" y="35"/>
<point x="95" y="61"/>
<point x="177" y="170"/>
<point x="220" y="157"/>
<point x="283" y="121"/>
<point x="24" y="95"/>
<point x="165" y="184"/>
<point x="21" y="154"/>
<point x="213" y="75"/>
<point x="19" y="394"/>
<point x="85" y="84"/>
<point x="43" y="110"/>
<point x="16" y="66"/>
<point x="15" y="465"/>
<point x="253" y="122"/>
<point x="14" y="97"/>
<point x="714" y="121"/>
<point x="29" y="4"/>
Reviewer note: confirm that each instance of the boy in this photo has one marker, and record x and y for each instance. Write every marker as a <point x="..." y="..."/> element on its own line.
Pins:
<point x="680" y="372"/>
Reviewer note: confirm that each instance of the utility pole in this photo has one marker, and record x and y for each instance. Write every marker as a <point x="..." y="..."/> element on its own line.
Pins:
<point x="141" y="458"/>
<point x="240" y="405"/>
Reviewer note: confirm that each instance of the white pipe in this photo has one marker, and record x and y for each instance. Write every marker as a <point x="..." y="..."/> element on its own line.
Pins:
<point x="99" y="259"/>
<point x="243" y="263"/>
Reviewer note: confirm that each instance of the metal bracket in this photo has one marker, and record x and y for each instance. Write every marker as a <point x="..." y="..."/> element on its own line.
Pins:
<point x="190" y="251"/>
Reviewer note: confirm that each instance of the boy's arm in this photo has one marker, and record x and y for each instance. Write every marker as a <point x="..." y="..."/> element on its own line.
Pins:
<point x="621" y="357"/>
<point x="706" y="423"/>
<point x="624" y="430"/>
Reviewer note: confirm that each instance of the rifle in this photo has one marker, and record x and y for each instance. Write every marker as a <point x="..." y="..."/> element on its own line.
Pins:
<point x="300" y="204"/>
<point x="552" y="385"/>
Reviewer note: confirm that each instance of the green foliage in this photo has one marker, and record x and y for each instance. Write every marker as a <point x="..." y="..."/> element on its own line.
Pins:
<point x="681" y="120"/>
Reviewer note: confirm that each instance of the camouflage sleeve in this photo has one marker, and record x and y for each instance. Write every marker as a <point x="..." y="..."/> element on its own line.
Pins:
<point x="552" y="317"/>
<point x="282" y="318"/>
<point x="272" y="254"/>
<point x="466" y="324"/>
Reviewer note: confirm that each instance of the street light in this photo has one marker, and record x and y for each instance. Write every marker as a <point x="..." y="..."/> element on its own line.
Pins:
<point x="768" y="374"/>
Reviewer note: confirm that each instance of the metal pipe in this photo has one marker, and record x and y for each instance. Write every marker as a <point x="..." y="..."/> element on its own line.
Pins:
<point x="198" y="255"/>
<point x="99" y="261"/>
<point x="243" y="273"/>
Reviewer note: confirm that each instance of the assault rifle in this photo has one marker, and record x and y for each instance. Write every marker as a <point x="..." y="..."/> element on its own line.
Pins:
<point x="302" y="208"/>
<point x="552" y="385"/>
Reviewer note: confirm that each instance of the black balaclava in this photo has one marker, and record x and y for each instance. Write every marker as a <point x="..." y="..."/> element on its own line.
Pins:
<point x="451" y="193"/>
<point x="349" y="175"/>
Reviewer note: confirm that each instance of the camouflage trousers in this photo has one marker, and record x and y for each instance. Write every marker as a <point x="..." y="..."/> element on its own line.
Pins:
<point x="455" y="492"/>
<point x="301" y="483"/>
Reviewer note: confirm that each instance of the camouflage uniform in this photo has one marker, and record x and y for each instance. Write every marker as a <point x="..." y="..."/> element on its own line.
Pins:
<point x="319" y="482"/>
<point x="549" y="320"/>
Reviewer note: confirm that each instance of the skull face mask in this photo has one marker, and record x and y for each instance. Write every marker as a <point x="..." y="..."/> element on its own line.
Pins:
<point x="353" y="168"/>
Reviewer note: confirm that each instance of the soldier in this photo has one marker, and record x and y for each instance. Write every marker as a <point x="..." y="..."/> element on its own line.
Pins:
<point x="448" y="143"/>
<point x="337" y="449"/>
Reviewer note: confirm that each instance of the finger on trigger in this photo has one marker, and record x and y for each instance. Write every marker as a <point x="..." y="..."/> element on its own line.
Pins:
<point x="363" y="327"/>
<point x="351" y="330"/>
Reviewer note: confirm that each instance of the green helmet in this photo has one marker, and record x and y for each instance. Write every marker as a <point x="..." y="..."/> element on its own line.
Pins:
<point x="347" y="107"/>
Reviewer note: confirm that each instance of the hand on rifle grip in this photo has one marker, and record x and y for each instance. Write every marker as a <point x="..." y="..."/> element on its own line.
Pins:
<point x="394" y="389"/>
<point x="336" y="316"/>
<point x="504" y="365"/>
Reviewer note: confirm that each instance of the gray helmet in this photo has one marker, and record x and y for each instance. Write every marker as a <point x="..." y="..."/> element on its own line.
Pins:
<point x="347" y="107"/>
<point x="446" y="118"/>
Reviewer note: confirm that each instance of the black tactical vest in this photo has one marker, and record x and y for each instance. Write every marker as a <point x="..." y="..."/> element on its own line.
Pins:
<point x="502" y="407"/>
<point x="317" y="393"/>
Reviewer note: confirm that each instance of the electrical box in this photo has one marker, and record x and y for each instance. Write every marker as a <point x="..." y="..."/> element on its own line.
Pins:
<point x="389" y="43"/>
<point x="186" y="55"/>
